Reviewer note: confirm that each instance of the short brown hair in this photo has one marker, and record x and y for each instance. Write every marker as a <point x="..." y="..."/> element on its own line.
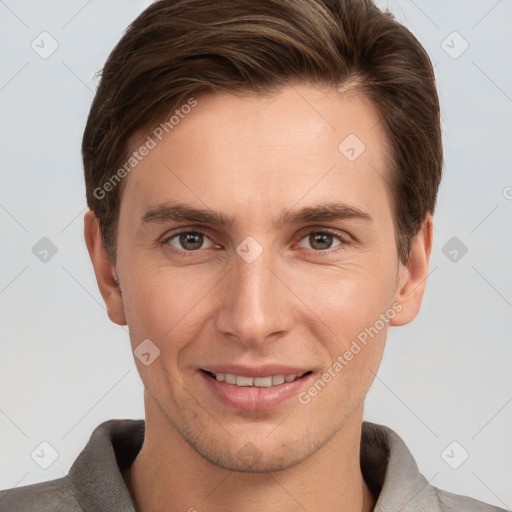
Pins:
<point x="179" y="48"/>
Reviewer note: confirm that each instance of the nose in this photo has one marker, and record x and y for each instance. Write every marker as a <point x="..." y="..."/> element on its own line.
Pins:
<point x="256" y="304"/>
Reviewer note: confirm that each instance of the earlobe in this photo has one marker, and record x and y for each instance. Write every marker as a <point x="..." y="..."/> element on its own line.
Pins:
<point x="412" y="279"/>
<point x="104" y="269"/>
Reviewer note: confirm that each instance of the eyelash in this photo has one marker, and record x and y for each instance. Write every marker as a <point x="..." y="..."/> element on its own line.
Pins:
<point x="344" y="241"/>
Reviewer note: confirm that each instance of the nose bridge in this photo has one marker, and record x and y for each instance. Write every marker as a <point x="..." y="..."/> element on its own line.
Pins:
<point x="255" y="304"/>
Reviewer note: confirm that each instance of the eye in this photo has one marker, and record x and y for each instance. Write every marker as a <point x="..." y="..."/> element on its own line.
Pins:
<point x="321" y="241"/>
<point x="189" y="241"/>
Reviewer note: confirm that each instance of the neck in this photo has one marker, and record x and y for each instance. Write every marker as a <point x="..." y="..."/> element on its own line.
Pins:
<point x="167" y="470"/>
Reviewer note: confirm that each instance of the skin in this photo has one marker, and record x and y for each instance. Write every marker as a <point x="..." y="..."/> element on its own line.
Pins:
<point x="299" y="303"/>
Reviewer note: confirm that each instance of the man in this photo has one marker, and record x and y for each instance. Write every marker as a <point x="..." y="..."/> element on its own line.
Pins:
<point x="261" y="178"/>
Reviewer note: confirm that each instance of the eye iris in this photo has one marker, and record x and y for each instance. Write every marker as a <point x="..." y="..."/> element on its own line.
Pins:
<point x="321" y="241"/>
<point x="191" y="241"/>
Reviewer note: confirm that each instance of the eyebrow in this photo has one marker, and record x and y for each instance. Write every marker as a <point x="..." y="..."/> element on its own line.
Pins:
<point x="183" y="212"/>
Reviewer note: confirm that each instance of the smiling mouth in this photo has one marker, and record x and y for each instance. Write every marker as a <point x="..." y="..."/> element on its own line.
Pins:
<point x="258" y="382"/>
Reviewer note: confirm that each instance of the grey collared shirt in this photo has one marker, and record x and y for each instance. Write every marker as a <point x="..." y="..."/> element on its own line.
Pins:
<point x="95" y="483"/>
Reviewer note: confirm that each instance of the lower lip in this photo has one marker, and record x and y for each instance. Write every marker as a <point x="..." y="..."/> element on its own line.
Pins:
<point x="253" y="399"/>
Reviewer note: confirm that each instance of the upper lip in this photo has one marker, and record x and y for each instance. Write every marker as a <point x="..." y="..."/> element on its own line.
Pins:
<point x="266" y="370"/>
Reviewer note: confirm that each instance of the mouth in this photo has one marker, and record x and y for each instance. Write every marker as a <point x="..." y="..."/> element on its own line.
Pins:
<point x="264" y="389"/>
<point x="258" y="382"/>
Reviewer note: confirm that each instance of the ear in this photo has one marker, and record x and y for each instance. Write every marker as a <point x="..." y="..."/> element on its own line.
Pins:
<point x="104" y="269"/>
<point x="412" y="277"/>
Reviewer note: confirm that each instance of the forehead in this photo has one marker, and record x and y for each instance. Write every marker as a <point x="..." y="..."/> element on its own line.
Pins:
<point x="302" y="143"/>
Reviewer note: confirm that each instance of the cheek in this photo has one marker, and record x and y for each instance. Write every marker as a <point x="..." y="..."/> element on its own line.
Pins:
<point x="352" y="309"/>
<point x="349" y="298"/>
<point x="165" y="304"/>
<point x="358" y="325"/>
<point x="357" y="314"/>
<point x="160" y="310"/>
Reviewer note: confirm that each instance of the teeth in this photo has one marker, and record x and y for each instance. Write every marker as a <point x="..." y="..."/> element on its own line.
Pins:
<point x="244" y="381"/>
<point x="278" y="379"/>
<point x="230" y="379"/>
<point x="259" y="382"/>
<point x="263" y="382"/>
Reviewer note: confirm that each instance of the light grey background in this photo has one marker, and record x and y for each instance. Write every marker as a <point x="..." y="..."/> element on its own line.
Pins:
<point x="64" y="368"/>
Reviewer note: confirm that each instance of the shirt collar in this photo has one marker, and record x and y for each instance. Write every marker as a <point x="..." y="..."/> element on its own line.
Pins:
<point x="392" y="473"/>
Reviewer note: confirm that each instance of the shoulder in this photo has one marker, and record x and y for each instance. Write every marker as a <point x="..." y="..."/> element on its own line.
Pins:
<point x="95" y="480"/>
<point x="450" y="502"/>
<point x="51" y="496"/>
<point x="390" y="470"/>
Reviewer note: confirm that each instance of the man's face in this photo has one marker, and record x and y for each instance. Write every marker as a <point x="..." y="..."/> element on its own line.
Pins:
<point x="203" y="294"/>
